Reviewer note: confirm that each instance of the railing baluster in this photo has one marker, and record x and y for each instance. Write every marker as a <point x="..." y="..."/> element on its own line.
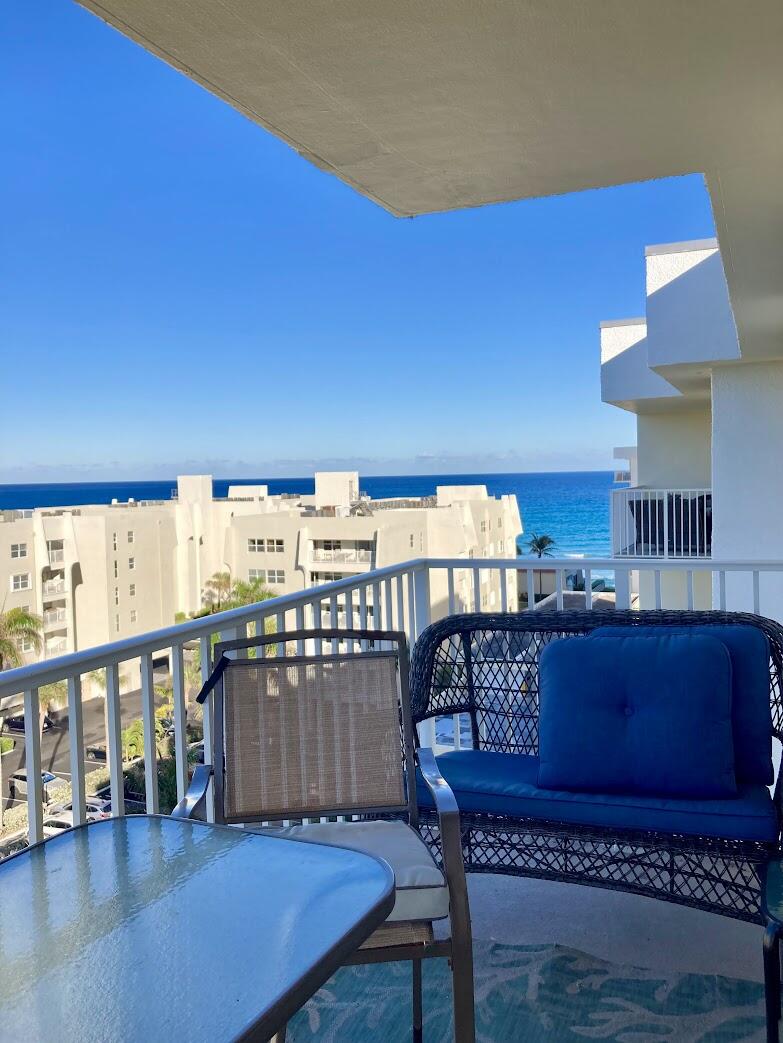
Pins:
<point x="299" y="616"/>
<point x="450" y="581"/>
<point x="559" y="589"/>
<point x="365" y="644"/>
<point x="756" y="595"/>
<point x="413" y="629"/>
<point x="76" y="740"/>
<point x="114" y="740"/>
<point x="400" y="603"/>
<point x="150" y="746"/>
<point x="503" y="575"/>
<point x="388" y="622"/>
<point x="205" y="648"/>
<point x="476" y="571"/>
<point x="722" y="590"/>
<point x="531" y="591"/>
<point x="32" y="763"/>
<point x="280" y="623"/>
<point x="180" y="719"/>
<point x="333" y="622"/>
<point x="588" y="588"/>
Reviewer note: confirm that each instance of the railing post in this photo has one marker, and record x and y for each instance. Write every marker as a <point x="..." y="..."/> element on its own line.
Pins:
<point x="32" y="744"/>
<point x="421" y="599"/>
<point x="622" y="588"/>
<point x="114" y="740"/>
<point x="205" y="650"/>
<point x="150" y="746"/>
<point x="76" y="740"/>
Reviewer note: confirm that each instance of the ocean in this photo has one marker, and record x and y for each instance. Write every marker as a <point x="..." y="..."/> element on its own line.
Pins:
<point x="570" y="506"/>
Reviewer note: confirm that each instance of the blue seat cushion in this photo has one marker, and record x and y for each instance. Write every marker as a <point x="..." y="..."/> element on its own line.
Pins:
<point x="750" y="706"/>
<point x="506" y="784"/>
<point x="636" y="714"/>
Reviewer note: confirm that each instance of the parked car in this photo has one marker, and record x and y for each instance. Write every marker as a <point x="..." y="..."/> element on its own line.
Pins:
<point x="16" y="724"/>
<point x="54" y="824"/>
<point x="96" y="807"/>
<point x="17" y="784"/>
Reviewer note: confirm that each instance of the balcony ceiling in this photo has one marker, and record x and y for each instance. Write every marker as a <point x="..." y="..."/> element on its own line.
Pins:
<point x="440" y="105"/>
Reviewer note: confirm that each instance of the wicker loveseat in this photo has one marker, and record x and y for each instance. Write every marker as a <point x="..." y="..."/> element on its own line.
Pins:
<point x="484" y="668"/>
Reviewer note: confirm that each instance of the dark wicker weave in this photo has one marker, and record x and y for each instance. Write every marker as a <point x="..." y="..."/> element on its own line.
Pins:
<point x="486" y="666"/>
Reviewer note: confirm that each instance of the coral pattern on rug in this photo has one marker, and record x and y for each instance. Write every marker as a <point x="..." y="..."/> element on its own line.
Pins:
<point x="534" y="994"/>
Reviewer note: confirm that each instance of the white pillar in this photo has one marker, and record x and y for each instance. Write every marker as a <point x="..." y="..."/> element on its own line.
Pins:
<point x="747" y="491"/>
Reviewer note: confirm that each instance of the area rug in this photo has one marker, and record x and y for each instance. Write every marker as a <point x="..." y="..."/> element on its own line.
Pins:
<point x="536" y="993"/>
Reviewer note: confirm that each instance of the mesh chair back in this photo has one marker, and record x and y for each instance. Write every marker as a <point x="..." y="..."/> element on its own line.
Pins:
<point x="305" y="736"/>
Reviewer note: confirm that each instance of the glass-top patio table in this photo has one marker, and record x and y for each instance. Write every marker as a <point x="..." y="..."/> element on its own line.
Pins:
<point x="154" y="928"/>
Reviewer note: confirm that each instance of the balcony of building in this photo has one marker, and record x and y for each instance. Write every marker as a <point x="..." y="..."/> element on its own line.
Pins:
<point x="53" y="584"/>
<point x="553" y="957"/>
<point x="55" y="618"/>
<point x="343" y="552"/>
<point x="661" y="523"/>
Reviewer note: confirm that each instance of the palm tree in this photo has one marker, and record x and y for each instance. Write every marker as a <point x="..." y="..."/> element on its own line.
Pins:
<point x="542" y="546"/>
<point x="217" y="590"/>
<point x="249" y="593"/>
<point x="18" y="628"/>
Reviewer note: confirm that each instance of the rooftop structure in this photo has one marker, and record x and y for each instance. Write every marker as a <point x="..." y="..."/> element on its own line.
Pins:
<point x="98" y="573"/>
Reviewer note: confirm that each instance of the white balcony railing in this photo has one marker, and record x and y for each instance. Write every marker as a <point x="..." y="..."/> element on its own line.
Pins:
<point x="662" y="523"/>
<point x="403" y="597"/>
<point x="53" y="586"/>
<point x="348" y="556"/>
<point x="54" y="617"/>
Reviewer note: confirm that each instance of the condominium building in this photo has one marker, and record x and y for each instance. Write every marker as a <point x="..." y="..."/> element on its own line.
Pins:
<point x="98" y="573"/>
<point x="708" y="419"/>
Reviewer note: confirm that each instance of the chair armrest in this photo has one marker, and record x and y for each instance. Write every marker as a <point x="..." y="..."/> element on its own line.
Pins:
<point x="450" y="836"/>
<point x="193" y="804"/>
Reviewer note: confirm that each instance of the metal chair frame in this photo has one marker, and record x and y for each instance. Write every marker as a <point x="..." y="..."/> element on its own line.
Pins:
<point x="421" y="943"/>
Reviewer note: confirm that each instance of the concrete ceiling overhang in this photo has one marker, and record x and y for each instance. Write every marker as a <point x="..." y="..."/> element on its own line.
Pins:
<point x="445" y="104"/>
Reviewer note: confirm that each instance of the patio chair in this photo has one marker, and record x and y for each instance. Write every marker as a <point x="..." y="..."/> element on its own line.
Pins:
<point x="328" y="737"/>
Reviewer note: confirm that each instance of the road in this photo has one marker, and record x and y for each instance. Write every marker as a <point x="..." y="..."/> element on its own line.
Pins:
<point x="55" y="744"/>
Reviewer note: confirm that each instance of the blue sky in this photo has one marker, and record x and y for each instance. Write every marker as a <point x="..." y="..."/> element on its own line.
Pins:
<point x="179" y="290"/>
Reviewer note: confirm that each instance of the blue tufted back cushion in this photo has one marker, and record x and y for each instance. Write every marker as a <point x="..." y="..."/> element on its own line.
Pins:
<point x="750" y="709"/>
<point x="637" y="715"/>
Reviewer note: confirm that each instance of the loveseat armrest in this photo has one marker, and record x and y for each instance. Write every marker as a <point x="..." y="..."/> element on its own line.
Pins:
<point x="450" y="837"/>
<point x="194" y="804"/>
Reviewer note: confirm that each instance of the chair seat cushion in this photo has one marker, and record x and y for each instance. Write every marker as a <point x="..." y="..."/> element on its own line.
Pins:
<point x="637" y="714"/>
<point x="748" y="650"/>
<point x="421" y="892"/>
<point x="507" y="784"/>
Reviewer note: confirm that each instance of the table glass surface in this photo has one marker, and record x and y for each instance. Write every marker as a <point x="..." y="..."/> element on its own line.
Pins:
<point x="157" y="928"/>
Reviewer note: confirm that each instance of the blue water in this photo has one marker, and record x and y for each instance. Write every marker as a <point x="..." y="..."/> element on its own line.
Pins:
<point x="572" y="506"/>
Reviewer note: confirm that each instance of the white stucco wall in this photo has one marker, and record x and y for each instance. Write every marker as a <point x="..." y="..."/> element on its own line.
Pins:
<point x="674" y="449"/>
<point x="689" y="318"/>
<point x="747" y="492"/>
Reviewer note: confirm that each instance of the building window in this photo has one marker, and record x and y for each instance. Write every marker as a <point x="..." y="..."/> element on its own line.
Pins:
<point x="275" y="546"/>
<point x="275" y="576"/>
<point x="116" y="595"/>
<point x="26" y="646"/>
<point x="132" y="590"/>
<point x="114" y="540"/>
<point x="21" y="581"/>
<point x="115" y="569"/>
<point x="18" y="550"/>
<point x="131" y="564"/>
<point x="133" y="615"/>
<point x="332" y="545"/>
<point x="117" y="622"/>
<point x="256" y="574"/>
<point x="131" y="536"/>
<point x="255" y="545"/>
<point x="411" y="539"/>
<point x="500" y="523"/>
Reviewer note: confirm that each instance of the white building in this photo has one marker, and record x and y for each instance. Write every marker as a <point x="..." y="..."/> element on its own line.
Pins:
<point x="97" y="573"/>
<point x="709" y="423"/>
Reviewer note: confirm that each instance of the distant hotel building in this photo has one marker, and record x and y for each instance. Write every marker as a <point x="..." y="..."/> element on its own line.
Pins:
<point x="98" y="573"/>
